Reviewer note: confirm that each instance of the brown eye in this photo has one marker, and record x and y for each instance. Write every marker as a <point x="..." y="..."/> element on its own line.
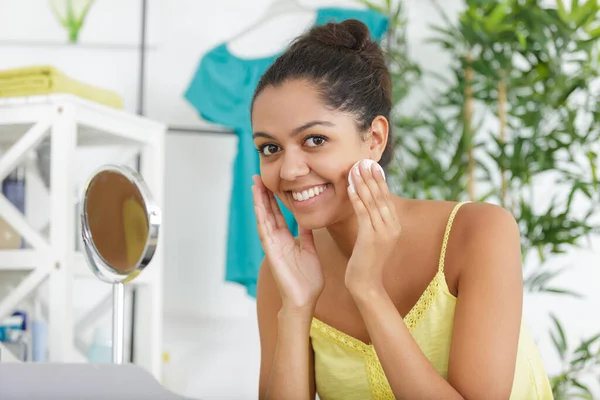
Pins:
<point x="315" y="141"/>
<point x="268" y="149"/>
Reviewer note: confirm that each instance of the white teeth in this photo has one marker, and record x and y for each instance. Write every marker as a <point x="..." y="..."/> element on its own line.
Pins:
<point x="307" y="194"/>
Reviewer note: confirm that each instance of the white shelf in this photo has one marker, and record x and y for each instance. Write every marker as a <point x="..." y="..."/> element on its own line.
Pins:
<point x="27" y="260"/>
<point x="79" y="45"/>
<point x="19" y="260"/>
<point x="71" y="122"/>
<point x="97" y="124"/>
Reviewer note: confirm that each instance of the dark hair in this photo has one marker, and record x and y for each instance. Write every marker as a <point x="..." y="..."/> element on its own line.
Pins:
<point x="347" y="67"/>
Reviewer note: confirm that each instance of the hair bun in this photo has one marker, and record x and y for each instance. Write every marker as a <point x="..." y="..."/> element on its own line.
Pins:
<point x="351" y="34"/>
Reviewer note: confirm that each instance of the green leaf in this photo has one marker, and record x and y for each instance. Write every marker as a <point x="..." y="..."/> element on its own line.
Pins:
<point x="562" y="292"/>
<point x="562" y="12"/>
<point x="374" y="6"/>
<point x="594" y="33"/>
<point x="522" y="39"/>
<point x="497" y="15"/>
<point x="587" y="394"/>
<point x="584" y="13"/>
<point x="558" y="338"/>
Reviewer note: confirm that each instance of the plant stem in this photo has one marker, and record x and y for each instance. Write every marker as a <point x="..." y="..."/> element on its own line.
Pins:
<point x="73" y="34"/>
<point x="468" y="115"/>
<point x="502" y="118"/>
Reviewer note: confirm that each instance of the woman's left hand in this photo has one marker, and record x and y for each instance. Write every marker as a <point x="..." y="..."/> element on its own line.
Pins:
<point x="378" y="228"/>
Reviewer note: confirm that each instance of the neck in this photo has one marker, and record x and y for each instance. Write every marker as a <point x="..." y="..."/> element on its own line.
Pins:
<point x="343" y="234"/>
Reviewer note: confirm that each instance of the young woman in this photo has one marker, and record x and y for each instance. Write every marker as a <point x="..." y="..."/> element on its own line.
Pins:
<point x="380" y="297"/>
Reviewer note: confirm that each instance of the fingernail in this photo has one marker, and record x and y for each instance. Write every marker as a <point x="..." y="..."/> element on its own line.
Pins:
<point x="381" y="171"/>
<point x="365" y="163"/>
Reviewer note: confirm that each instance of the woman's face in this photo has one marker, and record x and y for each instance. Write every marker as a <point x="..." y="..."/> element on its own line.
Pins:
<point x="306" y="151"/>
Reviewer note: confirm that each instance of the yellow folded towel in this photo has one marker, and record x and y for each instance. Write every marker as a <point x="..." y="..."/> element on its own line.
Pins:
<point x="44" y="79"/>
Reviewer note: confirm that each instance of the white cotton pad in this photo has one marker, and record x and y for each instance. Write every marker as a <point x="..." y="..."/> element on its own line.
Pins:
<point x="370" y="162"/>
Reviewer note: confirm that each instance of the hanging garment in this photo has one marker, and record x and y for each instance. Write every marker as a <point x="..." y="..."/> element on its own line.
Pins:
<point x="221" y="91"/>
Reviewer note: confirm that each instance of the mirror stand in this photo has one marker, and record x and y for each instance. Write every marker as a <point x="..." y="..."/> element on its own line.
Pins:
<point x="118" y="322"/>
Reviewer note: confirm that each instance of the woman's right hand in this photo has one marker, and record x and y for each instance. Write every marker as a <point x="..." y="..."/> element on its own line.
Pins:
<point x="295" y="265"/>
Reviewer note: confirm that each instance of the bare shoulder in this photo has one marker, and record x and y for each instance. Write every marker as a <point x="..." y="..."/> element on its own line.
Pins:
<point x="485" y="236"/>
<point x="480" y="223"/>
<point x="480" y="235"/>
<point x="470" y="217"/>
<point x="474" y="224"/>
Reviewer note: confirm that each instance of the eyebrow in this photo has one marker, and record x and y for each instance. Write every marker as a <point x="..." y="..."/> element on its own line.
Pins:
<point x="296" y="131"/>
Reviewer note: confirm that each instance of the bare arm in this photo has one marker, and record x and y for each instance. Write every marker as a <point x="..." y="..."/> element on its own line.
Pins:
<point x="488" y="313"/>
<point x="286" y="368"/>
<point x="486" y="323"/>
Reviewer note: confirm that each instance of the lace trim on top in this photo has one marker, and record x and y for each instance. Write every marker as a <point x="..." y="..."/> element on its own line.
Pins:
<point x="380" y="387"/>
<point x="378" y="382"/>
<point x="438" y="282"/>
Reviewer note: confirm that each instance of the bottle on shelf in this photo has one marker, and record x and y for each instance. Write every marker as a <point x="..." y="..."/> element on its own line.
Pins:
<point x="13" y="187"/>
<point x="100" y="350"/>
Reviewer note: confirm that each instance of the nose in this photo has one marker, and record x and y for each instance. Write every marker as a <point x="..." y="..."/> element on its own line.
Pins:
<point x="293" y="166"/>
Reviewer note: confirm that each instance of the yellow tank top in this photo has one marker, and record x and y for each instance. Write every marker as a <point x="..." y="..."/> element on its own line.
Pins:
<point x="348" y="369"/>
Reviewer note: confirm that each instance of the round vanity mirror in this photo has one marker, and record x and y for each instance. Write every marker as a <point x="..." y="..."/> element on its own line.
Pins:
<point x="120" y="224"/>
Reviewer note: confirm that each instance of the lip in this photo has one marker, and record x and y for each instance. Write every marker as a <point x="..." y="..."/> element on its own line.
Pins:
<point x="310" y="202"/>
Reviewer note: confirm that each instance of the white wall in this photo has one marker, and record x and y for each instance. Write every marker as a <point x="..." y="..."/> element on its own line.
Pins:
<point x="198" y="177"/>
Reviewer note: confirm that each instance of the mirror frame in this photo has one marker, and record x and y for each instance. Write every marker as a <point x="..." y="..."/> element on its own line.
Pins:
<point x="99" y="266"/>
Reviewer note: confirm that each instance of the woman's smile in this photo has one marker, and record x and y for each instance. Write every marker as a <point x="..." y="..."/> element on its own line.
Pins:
<point x="306" y="197"/>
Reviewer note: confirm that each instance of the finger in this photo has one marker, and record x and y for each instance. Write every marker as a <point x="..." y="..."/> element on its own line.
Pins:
<point x="369" y="178"/>
<point x="262" y="190"/>
<point x="258" y="181"/>
<point x="378" y="187"/>
<point x="280" y="222"/>
<point x="258" y="206"/>
<point x="265" y="201"/>
<point x="257" y="190"/>
<point x="263" y="220"/>
<point x="266" y="239"/>
<point x="364" y="219"/>
<point x="364" y="194"/>
<point x="259" y="223"/>
<point x="271" y="206"/>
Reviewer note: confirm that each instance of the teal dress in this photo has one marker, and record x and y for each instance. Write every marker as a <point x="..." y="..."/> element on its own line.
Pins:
<point x="221" y="91"/>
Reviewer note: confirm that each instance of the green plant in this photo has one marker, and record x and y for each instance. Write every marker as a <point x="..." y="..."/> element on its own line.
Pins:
<point x="516" y="123"/>
<point x="527" y="70"/>
<point x="575" y="363"/>
<point x="71" y="14"/>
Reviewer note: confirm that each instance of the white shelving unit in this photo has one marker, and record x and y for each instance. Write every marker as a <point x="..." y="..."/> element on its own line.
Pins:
<point x="71" y="123"/>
